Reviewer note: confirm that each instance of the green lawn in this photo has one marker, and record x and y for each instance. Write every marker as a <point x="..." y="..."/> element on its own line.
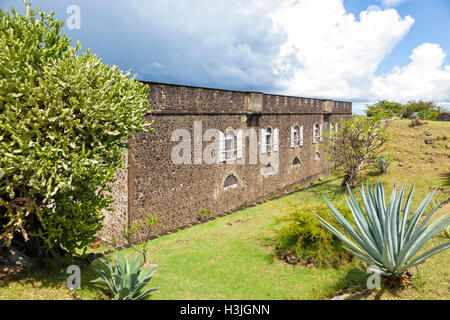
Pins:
<point x="233" y="257"/>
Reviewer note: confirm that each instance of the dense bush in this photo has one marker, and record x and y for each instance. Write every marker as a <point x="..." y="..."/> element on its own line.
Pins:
<point x="384" y="109"/>
<point x="303" y="234"/>
<point x="64" y="122"/>
<point x="421" y="109"/>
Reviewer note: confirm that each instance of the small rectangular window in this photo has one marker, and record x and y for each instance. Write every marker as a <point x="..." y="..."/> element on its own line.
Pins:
<point x="262" y="141"/>
<point x="296" y="136"/>
<point x="301" y="136"/>
<point x="229" y="146"/>
<point x="315" y="133"/>
<point x="275" y="140"/>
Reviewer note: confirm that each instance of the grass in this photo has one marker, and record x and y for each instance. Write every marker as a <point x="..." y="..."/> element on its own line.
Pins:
<point x="233" y="258"/>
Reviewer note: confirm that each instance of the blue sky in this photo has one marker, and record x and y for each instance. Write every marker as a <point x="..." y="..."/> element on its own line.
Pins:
<point x="353" y="50"/>
<point x="432" y="24"/>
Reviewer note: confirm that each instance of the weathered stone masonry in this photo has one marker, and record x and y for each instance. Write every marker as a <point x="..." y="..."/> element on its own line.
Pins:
<point x="182" y="194"/>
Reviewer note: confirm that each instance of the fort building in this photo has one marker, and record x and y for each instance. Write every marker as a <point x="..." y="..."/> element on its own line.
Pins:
<point x="215" y="151"/>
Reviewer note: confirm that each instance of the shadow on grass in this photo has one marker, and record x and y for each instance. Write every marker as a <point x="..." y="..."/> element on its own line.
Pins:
<point x="355" y="284"/>
<point x="375" y="174"/>
<point x="53" y="275"/>
<point x="331" y="192"/>
<point x="445" y="176"/>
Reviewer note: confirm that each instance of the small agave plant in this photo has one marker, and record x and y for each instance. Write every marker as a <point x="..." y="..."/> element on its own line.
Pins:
<point x="382" y="163"/>
<point x="447" y="231"/>
<point x="387" y="236"/>
<point x="126" y="279"/>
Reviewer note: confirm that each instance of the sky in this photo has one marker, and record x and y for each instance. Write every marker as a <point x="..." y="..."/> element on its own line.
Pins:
<point x="351" y="50"/>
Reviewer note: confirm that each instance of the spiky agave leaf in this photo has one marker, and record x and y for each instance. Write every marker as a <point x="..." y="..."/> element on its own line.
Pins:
<point x="383" y="235"/>
<point x="126" y="279"/>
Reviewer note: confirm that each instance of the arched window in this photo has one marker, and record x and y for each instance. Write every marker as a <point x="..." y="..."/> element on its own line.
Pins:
<point x="230" y="181"/>
<point x="296" y="162"/>
<point x="268" y="171"/>
<point x="317" y="156"/>
<point x="296" y="136"/>
<point x="317" y="133"/>
<point x="269" y="140"/>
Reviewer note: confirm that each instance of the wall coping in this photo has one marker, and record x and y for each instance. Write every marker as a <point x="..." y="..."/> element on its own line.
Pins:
<point x="239" y="91"/>
<point x="186" y="100"/>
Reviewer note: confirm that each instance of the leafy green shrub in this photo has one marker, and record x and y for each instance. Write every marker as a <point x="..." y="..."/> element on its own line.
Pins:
<point x="420" y="109"/>
<point x="65" y="120"/>
<point x="384" y="109"/>
<point x="204" y="212"/>
<point x="359" y="140"/>
<point x="126" y="279"/>
<point x="301" y="233"/>
<point x="384" y="235"/>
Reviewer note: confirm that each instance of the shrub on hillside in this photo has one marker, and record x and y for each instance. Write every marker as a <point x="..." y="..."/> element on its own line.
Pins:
<point x="64" y="123"/>
<point x="425" y="110"/>
<point x="301" y="233"/>
<point x="357" y="143"/>
<point x="384" y="109"/>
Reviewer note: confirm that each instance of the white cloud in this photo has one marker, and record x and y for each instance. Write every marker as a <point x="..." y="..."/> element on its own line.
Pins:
<point x="338" y="53"/>
<point x="312" y="48"/>
<point x="230" y="44"/>
<point x="424" y="78"/>
<point x="224" y="43"/>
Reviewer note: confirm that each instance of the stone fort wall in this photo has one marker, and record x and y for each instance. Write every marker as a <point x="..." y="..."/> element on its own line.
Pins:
<point x="183" y="194"/>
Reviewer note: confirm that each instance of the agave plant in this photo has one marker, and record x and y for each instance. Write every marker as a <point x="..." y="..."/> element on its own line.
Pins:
<point x="447" y="231"/>
<point x="387" y="236"/>
<point x="382" y="163"/>
<point x="127" y="278"/>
